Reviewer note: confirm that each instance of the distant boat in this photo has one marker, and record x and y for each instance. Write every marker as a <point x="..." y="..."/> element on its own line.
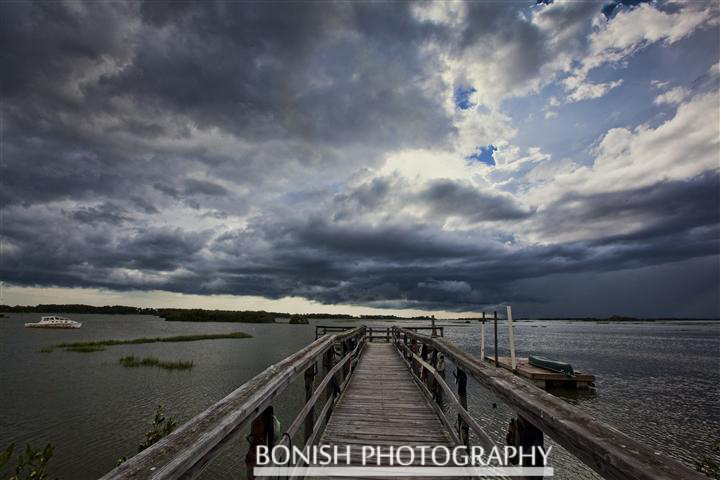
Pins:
<point x="54" y="321"/>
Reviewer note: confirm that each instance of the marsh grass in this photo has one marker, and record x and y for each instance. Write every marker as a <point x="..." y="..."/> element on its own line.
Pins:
<point x="100" y="345"/>
<point x="84" y="348"/>
<point x="131" y="361"/>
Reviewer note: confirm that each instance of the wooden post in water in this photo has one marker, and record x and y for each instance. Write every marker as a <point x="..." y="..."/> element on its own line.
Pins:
<point x="434" y="333"/>
<point x="262" y="432"/>
<point x="463" y="429"/>
<point x="526" y="437"/>
<point x="482" y="339"/>
<point x="309" y="387"/>
<point x="496" y="352"/>
<point x="511" y="337"/>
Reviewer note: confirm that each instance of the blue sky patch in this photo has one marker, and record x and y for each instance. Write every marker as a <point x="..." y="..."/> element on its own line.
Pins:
<point x="462" y="97"/>
<point x="483" y="154"/>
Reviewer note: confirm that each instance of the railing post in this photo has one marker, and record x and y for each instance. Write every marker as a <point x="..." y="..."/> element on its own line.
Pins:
<point x="440" y="368"/>
<point x="262" y="432"/>
<point x="463" y="429"/>
<point x="424" y="355"/>
<point x="525" y="437"/>
<point x="414" y="349"/>
<point x="343" y="370"/>
<point x="309" y="387"/>
<point x="496" y="342"/>
<point x="328" y="362"/>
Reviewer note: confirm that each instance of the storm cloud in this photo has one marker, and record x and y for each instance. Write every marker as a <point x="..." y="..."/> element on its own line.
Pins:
<point x="319" y="150"/>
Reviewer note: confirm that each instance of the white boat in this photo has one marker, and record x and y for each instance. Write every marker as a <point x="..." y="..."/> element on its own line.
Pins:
<point x="53" y="321"/>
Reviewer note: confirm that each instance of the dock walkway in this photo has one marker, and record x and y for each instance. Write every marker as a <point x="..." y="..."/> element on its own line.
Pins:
<point x="382" y="406"/>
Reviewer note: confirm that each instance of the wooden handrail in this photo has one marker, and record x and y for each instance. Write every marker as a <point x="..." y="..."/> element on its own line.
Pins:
<point x="295" y="425"/>
<point x="608" y="451"/>
<point x="485" y="439"/>
<point x="319" y="390"/>
<point x="186" y="451"/>
<point x="321" y="330"/>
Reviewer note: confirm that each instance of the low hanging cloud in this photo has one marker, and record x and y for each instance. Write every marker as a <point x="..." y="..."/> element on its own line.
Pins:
<point x="446" y="198"/>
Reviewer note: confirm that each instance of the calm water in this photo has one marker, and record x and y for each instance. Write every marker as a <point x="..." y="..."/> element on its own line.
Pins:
<point x="657" y="382"/>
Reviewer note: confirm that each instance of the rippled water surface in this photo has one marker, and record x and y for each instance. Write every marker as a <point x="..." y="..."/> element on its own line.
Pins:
<point x="656" y="381"/>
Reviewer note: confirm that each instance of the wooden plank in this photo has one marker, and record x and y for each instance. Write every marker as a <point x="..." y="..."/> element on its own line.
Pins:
<point x="603" y="448"/>
<point x="383" y="406"/>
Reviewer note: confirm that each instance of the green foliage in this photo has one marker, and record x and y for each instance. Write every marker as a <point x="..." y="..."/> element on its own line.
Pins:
<point x="99" y="345"/>
<point x="132" y="361"/>
<point x="161" y="427"/>
<point x="31" y="463"/>
<point x="6" y="455"/>
<point x="85" y="348"/>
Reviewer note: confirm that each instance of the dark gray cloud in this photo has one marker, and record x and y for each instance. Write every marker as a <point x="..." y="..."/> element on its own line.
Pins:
<point x="446" y="198"/>
<point x="217" y="147"/>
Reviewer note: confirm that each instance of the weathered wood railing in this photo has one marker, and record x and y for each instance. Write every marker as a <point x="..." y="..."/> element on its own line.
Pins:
<point x="187" y="451"/>
<point x="379" y="333"/>
<point x="609" y="452"/>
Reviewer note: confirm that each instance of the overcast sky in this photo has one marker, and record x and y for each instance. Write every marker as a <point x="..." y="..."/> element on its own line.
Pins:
<point x="561" y="157"/>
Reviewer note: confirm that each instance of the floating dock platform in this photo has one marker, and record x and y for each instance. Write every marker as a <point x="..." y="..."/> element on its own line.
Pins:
<point x="544" y="378"/>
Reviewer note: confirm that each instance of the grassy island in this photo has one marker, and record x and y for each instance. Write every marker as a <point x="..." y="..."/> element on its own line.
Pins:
<point x="131" y="361"/>
<point x="98" y="345"/>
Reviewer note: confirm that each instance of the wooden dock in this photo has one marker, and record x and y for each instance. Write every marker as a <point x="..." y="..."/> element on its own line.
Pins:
<point x="390" y="393"/>
<point x="544" y="378"/>
<point x="382" y="407"/>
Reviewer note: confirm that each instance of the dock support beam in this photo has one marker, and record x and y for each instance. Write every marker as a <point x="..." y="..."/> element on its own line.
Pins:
<point x="527" y="437"/>
<point x="262" y="432"/>
<point x="463" y="429"/>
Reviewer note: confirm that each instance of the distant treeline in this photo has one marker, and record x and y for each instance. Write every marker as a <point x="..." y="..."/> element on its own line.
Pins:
<point x="198" y="315"/>
<point x="77" y="308"/>
<point x="195" y="314"/>
<point x="261" y="316"/>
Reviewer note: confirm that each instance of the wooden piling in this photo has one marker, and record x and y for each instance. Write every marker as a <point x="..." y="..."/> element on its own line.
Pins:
<point x="462" y="426"/>
<point x="262" y="432"/>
